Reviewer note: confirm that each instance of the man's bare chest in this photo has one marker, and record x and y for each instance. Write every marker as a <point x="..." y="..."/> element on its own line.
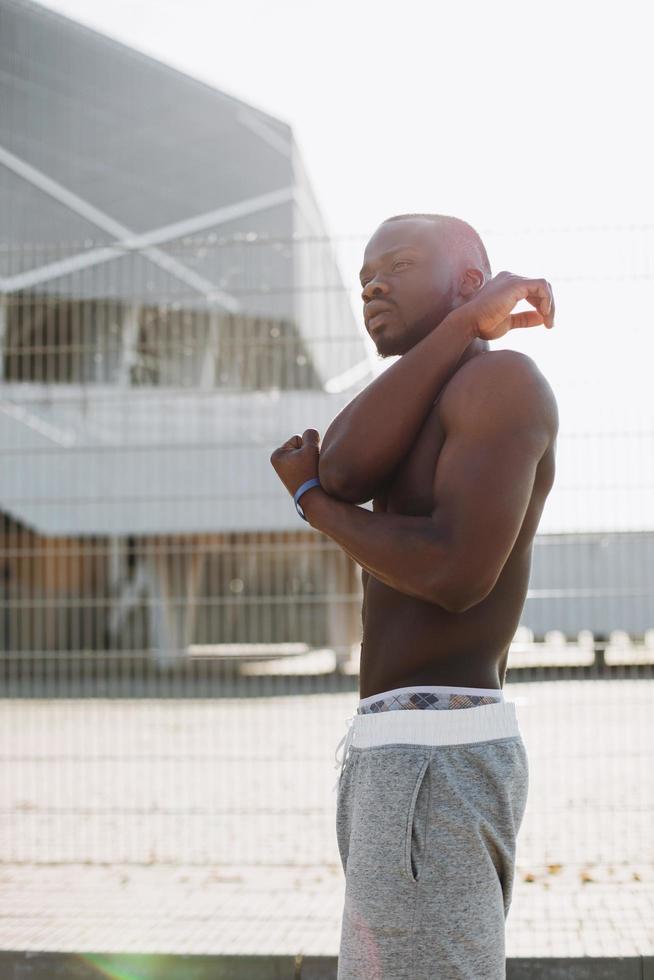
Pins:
<point x="411" y="488"/>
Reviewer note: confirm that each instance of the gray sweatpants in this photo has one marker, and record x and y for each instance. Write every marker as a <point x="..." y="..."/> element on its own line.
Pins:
<point x="428" y="809"/>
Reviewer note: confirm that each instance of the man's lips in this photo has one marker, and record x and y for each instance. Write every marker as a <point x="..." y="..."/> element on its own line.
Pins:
<point x="374" y="312"/>
<point x="377" y="321"/>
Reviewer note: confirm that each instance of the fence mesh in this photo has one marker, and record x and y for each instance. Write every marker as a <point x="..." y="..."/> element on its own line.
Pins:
<point x="180" y="651"/>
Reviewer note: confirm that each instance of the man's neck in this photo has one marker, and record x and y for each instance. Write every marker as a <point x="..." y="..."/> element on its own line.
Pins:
<point x="476" y="347"/>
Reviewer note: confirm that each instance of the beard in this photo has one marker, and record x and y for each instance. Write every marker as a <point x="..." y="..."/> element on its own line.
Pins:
<point x="390" y="345"/>
<point x="399" y="338"/>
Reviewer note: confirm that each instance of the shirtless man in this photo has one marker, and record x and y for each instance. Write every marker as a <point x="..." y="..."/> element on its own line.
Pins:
<point x="455" y="445"/>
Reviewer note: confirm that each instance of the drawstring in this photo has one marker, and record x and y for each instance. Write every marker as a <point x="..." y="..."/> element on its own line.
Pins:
<point x="347" y="738"/>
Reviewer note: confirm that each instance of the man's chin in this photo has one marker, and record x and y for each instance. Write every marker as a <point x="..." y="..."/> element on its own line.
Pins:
<point x="387" y="347"/>
<point x="383" y="351"/>
<point x="391" y="343"/>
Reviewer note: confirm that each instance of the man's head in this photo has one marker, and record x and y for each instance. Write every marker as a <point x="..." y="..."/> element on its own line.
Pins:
<point x="417" y="268"/>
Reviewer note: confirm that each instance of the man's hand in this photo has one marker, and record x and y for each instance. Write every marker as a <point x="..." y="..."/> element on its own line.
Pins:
<point x="297" y="459"/>
<point x="491" y="308"/>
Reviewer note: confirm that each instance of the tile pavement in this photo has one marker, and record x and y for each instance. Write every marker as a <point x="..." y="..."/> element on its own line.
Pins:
<point x="111" y="862"/>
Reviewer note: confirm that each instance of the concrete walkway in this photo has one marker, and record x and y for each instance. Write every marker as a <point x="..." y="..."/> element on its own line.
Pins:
<point x="220" y="840"/>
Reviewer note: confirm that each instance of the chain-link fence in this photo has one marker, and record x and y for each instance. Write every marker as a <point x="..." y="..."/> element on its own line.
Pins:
<point x="180" y="651"/>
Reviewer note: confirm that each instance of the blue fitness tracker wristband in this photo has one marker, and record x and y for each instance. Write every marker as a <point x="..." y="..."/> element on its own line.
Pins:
<point x="313" y="482"/>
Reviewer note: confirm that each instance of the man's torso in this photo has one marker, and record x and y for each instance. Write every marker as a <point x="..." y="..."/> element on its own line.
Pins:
<point x="408" y="641"/>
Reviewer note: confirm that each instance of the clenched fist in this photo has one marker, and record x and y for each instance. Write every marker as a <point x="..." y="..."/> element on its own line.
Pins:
<point x="296" y="460"/>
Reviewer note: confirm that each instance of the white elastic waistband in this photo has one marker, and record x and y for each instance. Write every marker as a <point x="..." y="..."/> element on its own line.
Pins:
<point x="496" y="692"/>
<point x="454" y="727"/>
<point x="423" y="727"/>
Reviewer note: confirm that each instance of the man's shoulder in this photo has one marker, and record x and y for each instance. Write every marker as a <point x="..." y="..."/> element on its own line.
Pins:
<point x="499" y="381"/>
<point x="497" y="366"/>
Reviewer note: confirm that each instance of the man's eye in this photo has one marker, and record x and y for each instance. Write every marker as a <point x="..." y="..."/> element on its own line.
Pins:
<point x="401" y="262"/>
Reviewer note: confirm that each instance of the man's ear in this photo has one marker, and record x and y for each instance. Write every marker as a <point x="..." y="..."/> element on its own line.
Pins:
<point x="471" y="283"/>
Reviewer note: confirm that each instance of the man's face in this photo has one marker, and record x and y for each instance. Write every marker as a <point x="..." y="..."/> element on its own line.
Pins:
<point x="408" y="284"/>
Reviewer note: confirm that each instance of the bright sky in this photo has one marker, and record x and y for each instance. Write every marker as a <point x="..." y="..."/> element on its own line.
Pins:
<point x="527" y="120"/>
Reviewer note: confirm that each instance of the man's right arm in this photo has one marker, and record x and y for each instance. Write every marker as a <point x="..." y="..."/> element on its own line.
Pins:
<point x="369" y="437"/>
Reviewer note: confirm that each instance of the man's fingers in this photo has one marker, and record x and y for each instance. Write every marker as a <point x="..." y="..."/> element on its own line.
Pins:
<point x="296" y="441"/>
<point x="527" y="319"/>
<point x="539" y="293"/>
<point x="293" y="443"/>
<point x="552" y="309"/>
<point x="311" y="435"/>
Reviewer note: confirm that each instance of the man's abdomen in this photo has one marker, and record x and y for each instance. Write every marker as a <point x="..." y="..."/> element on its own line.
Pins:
<point x="408" y="641"/>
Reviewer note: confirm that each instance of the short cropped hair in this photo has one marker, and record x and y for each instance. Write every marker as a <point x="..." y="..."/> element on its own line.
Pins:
<point x="459" y="236"/>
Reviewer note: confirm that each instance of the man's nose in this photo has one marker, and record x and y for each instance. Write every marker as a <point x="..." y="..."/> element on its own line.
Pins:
<point x="376" y="287"/>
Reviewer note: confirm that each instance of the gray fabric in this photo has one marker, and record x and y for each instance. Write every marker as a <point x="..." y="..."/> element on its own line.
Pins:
<point x="427" y="839"/>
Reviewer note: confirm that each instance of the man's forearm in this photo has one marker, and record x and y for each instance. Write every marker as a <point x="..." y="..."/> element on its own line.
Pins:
<point x="370" y="436"/>
<point x="404" y="552"/>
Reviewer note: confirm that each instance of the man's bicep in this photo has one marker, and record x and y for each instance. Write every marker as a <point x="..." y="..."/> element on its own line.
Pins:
<point x="482" y="488"/>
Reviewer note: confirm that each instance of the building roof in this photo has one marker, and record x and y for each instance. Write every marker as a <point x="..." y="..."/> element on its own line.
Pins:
<point x="123" y="178"/>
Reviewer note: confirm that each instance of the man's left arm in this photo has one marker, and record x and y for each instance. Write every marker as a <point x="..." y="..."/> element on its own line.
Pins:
<point x="499" y="418"/>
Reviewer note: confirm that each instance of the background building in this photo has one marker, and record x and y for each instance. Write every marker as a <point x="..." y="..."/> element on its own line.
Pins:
<point x="171" y="311"/>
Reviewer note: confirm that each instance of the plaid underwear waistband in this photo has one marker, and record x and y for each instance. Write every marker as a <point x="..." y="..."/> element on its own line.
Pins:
<point x="439" y="701"/>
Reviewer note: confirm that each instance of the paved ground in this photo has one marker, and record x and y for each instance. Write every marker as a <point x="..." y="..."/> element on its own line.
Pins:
<point x="207" y="826"/>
